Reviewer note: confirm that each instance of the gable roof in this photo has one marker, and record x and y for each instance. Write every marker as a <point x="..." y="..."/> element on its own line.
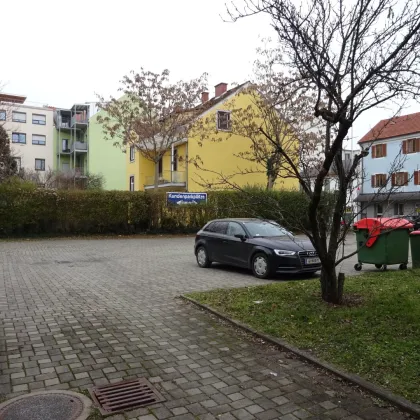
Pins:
<point x="200" y="109"/>
<point x="393" y="127"/>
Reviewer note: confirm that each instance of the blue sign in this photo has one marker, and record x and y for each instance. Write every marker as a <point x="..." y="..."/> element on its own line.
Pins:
<point x="179" y="198"/>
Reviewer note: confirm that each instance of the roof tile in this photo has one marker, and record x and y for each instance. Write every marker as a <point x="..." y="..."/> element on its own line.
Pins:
<point x="393" y="127"/>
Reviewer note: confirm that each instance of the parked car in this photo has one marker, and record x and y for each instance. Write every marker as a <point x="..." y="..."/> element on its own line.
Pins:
<point x="262" y="246"/>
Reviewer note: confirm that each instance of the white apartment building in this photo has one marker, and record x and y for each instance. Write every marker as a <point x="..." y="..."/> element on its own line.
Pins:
<point x="31" y="131"/>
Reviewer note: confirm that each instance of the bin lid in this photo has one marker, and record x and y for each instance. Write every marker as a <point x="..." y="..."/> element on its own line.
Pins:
<point x="383" y="223"/>
<point x="415" y="232"/>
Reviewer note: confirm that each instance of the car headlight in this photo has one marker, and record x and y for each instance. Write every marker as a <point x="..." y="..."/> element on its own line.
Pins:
<point x="284" y="252"/>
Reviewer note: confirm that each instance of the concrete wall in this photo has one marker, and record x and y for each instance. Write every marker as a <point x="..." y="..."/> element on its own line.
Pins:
<point x="29" y="152"/>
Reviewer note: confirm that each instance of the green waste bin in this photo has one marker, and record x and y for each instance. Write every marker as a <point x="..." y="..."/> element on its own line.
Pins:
<point x="382" y="242"/>
<point x="415" y="248"/>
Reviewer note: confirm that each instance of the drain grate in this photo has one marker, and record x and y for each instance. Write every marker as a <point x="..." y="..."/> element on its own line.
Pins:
<point x="125" y="395"/>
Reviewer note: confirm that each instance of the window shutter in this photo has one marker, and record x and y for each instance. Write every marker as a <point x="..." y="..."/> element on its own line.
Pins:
<point x="405" y="178"/>
<point x="384" y="150"/>
<point x="416" y="177"/>
<point x="404" y="147"/>
<point x="372" y="181"/>
<point x="373" y="152"/>
<point x="417" y="145"/>
<point x="393" y="179"/>
<point x="383" y="180"/>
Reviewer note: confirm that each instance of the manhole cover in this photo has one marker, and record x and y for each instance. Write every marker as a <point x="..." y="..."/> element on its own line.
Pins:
<point x="125" y="395"/>
<point x="48" y="405"/>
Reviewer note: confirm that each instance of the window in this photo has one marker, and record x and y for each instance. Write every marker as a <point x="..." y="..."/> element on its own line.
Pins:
<point x="327" y="183"/>
<point x="223" y="120"/>
<point x="398" y="209"/>
<point x="235" y="229"/>
<point x="19" y="116"/>
<point x="378" y="180"/>
<point x="411" y="146"/>
<point x="217" y="227"/>
<point x="347" y="156"/>
<point x="65" y="145"/>
<point x="175" y="160"/>
<point x="416" y="177"/>
<point x="19" y="138"/>
<point x="38" y="139"/>
<point x="40" y="164"/>
<point x="400" y="179"/>
<point x="132" y="153"/>
<point x="2" y="115"/>
<point x="379" y="210"/>
<point x="378" y="151"/>
<point x="18" y="161"/>
<point x="39" y="119"/>
<point x="131" y="183"/>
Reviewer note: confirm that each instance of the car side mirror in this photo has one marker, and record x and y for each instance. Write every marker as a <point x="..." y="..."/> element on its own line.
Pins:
<point x="240" y="236"/>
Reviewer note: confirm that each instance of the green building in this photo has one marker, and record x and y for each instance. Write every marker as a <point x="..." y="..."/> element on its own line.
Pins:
<point x="80" y="148"/>
<point x="105" y="158"/>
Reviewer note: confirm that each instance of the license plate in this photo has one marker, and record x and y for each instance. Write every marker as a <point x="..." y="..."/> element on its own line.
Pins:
<point x="309" y="261"/>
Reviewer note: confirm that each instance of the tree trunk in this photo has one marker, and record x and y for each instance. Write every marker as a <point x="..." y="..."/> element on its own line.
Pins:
<point x="270" y="182"/>
<point x="156" y="184"/>
<point x="332" y="291"/>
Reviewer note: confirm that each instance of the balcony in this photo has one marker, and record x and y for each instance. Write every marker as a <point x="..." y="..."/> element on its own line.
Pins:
<point x="167" y="179"/>
<point x="79" y="172"/>
<point x="79" y="146"/>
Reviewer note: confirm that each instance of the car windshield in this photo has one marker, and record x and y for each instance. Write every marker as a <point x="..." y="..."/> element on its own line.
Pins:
<point x="266" y="229"/>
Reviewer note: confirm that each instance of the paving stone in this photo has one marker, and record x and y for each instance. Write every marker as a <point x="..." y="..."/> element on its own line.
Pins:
<point x="78" y="313"/>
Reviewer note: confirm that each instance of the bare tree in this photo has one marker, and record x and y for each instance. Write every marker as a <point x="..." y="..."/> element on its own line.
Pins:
<point x="357" y="54"/>
<point x="152" y="114"/>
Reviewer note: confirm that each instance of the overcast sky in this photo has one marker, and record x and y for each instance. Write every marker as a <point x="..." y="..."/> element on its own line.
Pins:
<point x="59" y="53"/>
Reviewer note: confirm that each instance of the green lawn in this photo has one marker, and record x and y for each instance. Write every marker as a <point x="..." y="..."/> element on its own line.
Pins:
<point x="376" y="335"/>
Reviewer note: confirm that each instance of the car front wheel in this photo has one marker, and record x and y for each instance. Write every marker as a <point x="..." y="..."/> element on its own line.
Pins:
<point x="202" y="257"/>
<point x="260" y="266"/>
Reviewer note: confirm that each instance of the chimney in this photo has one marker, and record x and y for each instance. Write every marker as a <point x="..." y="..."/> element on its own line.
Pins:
<point x="204" y="97"/>
<point x="220" y="89"/>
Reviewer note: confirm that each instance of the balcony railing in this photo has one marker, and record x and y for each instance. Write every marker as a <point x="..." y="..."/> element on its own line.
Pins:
<point x="167" y="178"/>
<point x="79" y="146"/>
<point x="78" y="172"/>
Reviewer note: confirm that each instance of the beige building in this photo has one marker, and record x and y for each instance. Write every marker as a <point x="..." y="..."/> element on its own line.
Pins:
<point x="30" y="130"/>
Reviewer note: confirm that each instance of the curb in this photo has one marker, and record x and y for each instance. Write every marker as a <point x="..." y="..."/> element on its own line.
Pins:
<point x="395" y="400"/>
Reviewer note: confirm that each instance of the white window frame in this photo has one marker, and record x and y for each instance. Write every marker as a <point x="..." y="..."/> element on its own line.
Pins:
<point x="377" y="213"/>
<point x="37" y="142"/>
<point x="37" y="121"/>
<point x="132" y="154"/>
<point x="228" y="122"/>
<point x="42" y="166"/>
<point x="131" y="183"/>
<point x="18" y="120"/>
<point x="397" y="206"/>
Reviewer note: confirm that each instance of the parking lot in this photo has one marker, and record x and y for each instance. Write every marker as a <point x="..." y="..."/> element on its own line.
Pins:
<point x="75" y="313"/>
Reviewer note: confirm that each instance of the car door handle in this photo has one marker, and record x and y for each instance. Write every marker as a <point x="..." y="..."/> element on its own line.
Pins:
<point x="225" y="241"/>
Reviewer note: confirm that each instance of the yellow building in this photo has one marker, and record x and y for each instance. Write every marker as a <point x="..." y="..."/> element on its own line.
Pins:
<point x="218" y="160"/>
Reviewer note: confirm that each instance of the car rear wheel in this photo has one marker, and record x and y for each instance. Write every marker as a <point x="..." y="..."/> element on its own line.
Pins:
<point x="260" y="266"/>
<point x="202" y="257"/>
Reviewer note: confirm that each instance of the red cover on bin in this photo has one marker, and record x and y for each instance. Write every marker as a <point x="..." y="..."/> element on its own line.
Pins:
<point x="375" y="225"/>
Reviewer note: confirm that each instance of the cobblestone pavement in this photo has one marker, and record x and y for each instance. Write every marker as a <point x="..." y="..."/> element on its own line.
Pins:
<point x="74" y="313"/>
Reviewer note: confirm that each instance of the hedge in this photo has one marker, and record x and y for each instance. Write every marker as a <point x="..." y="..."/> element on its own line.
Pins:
<point x="26" y="210"/>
